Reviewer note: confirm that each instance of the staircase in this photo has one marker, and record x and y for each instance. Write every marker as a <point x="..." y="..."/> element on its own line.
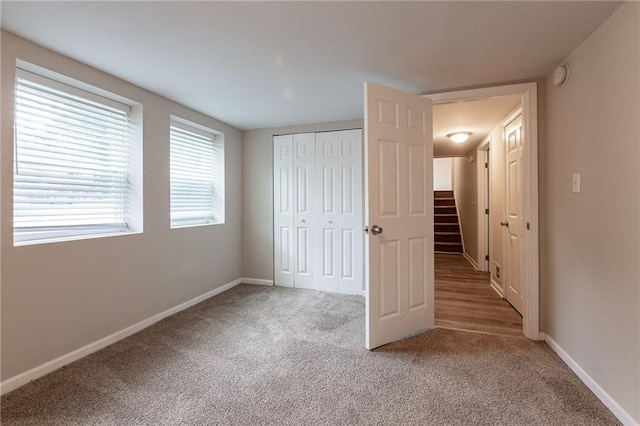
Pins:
<point x="446" y="225"/>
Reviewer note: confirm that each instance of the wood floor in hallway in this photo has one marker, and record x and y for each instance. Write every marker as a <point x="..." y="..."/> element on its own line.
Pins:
<point x="466" y="301"/>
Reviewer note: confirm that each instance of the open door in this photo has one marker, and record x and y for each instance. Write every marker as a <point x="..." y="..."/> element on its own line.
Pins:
<point x="399" y="214"/>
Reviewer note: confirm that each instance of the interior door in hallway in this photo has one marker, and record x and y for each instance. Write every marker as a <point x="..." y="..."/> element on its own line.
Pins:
<point x="339" y="240"/>
<point x="399" y="203"/>
<point x="514" y="261"/>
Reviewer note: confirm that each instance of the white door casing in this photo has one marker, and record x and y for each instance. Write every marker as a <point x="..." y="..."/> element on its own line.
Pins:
<point x="283" y="210"/>
<point x="531" y="271"/>
<point x="303" y="215"/>
<point x="514" y="235"/>
<point x="399" y="184"/>
<point x="339" y="239"/>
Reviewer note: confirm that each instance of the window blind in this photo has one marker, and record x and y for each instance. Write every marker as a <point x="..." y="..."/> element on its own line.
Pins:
<point x="70" y="163"/>
<point x="193" y="173"/>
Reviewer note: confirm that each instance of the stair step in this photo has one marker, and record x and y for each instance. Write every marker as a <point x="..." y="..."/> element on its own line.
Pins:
<point x="444" y="201"/>
<point x="445" y="218"/>
<point x="447" y="237"/>
<point x="448" y="247"/>
<point x="446" y="227"/>
<point x="442" y="194"/>
<point x="444" y="210"/>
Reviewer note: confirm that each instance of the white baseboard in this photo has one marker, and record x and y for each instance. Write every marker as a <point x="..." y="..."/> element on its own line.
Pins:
<point x="497" y="287"/>
<point x="22" y="379"/>
<point x="624" y="417"/>
<point x="256" y="281"/>
<point x="471" y="260"/>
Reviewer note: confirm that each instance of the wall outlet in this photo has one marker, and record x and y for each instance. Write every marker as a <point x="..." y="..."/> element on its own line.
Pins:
<point x="497" y="272"/>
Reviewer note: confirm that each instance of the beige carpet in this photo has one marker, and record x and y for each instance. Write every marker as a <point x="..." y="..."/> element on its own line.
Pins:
<point x="265" y="355"/>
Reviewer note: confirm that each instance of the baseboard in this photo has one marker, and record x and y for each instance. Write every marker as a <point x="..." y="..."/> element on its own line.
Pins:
<point x="22" y="379"/>
<point x="256" y="281"/>
<point x="471" y="260"/>
<point x="624" y="417"/>
<point x="497" y="288"/>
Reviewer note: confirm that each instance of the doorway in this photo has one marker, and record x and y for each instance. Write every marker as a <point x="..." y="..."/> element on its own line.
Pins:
<point x="527" y="268"/>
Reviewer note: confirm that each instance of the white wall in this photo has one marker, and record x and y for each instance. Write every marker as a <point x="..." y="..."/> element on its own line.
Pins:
<point x="465" y="189"/>
<point x="257" y="194"/>
<point x="58" y="297"/>
<point x="442" y="174"/>
<point x="592" y="254"/>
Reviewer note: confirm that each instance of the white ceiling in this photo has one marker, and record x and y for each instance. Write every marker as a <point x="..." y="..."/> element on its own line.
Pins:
<point x="265" y="64"/>
<point x="478" y="117"/>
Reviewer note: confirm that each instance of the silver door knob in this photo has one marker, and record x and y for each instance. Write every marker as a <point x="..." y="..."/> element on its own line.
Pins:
<point x="504" y="223"/>
<point x="375" y="230"/>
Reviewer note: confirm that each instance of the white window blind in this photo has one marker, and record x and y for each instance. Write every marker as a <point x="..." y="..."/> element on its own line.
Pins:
<point x="70" y="162"/>
<point x="193" y="173"/>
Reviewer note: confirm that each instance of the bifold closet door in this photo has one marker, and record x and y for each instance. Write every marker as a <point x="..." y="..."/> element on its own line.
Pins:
<point x="293" y="219"/>
<point x="318" y="238"/>
<point x="339" y="237"/>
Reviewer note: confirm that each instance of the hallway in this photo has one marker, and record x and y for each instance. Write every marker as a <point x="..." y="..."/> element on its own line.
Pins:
<point x="464" y="299"/>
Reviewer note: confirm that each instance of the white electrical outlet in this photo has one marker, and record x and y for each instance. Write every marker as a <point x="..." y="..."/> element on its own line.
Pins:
<point x="575" y="185"/>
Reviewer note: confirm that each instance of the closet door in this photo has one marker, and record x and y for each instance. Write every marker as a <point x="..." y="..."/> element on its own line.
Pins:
<point x="283" y="207"/>
<point x="303" y="215"/>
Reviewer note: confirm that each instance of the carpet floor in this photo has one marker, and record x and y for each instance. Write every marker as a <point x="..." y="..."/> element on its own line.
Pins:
<point x="268" y="355"/>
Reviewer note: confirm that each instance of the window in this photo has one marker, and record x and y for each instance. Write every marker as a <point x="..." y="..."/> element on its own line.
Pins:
<point x="197" y="174"/>
<point x="72" y="160"/>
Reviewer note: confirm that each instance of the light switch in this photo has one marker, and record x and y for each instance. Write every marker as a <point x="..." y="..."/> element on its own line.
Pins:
<point x="575" y="186"/>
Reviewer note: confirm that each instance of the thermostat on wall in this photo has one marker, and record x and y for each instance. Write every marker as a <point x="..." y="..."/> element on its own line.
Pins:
<point x="561" y="75"/>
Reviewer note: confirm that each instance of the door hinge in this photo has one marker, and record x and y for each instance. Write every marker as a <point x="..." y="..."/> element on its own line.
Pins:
<point x="486" y="165"/>
<point x="486" y="211"/>
<point x="486" y="257"/>
<point x="528" y="226"/>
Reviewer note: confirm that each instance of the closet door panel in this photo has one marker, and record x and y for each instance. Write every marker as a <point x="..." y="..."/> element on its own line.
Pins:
<point x="327" y="190"/>
<point x="351" y="221"/>
<point x="304" y="209"/>
<point x="283" y="202"/>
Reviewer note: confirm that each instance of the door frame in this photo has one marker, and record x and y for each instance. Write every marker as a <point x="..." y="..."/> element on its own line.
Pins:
<point x="529" y="103"/>
<point x="483" y="179"/>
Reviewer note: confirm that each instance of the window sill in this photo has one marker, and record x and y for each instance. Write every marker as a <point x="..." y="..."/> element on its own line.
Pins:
<point x="73" y="238"/>
<point x="195" y="225"/>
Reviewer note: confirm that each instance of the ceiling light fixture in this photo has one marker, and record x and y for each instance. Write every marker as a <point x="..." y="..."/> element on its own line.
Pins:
<point x="459" y="137"/>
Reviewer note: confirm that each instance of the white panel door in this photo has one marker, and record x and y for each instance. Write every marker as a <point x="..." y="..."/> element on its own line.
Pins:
<point x="399" y="203"/>
<point x="513" y="271"/>
<point x="339" y="238"/>
<point x="350" y="219"/>
<point x="328" y="227"/>
<point x="283" y="210"/>
<point x="303" y="215"/>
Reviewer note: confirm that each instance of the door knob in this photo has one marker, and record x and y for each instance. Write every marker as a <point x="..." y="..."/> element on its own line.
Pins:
<point x="375" y="230"/>
<point x="504" y="223"/>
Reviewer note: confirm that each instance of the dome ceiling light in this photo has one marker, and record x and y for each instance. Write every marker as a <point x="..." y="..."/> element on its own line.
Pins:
<point x="459" y="137"/>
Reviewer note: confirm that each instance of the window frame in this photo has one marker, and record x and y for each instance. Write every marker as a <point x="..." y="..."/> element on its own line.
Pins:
<point x="132" y="194"/>
<point x="218" y="173"/>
